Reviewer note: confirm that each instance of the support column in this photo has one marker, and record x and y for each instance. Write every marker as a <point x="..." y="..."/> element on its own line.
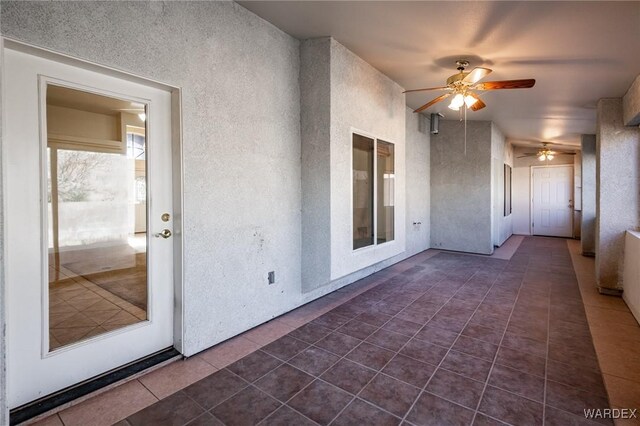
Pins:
<point x="588" y="223"/>
<point x="617" y="157"/>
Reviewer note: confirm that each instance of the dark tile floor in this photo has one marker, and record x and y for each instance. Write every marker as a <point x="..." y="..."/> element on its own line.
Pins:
<point x="455" y="340"/>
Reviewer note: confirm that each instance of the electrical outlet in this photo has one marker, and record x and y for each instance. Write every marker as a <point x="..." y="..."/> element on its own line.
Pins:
<point x="271" y="277"/>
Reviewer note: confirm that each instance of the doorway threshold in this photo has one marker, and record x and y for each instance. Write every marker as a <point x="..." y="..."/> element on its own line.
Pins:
<point x="49" y="403"/>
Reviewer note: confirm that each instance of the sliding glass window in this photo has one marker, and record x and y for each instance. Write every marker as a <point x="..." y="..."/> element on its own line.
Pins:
<point x="362" y="191"/>
<point x="386" y="188"/>
<point x="373" y="191"/>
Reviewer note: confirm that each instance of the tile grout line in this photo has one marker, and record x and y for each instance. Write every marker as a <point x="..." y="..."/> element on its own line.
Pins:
<point x="355" y="396"/>
<point x="343" y="357"/>
<point x="151" y="392"/>
<point x="380" y="327"/>
<point x="397" y="352"/>
<point x="249" y="384"/>
<point x="423" y="390"/>
<point x="546" y="359"/>
<point x="495" y="357"/>
<point x="288" y="359"/>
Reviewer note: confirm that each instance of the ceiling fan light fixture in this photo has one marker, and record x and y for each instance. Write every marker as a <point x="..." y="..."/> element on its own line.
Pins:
<point x="470" y="100"/>
<point x="549" y="157"/>
<point x="542" y="157"/>
<point x="457" y="102"/>
<point x="142" y="116"/>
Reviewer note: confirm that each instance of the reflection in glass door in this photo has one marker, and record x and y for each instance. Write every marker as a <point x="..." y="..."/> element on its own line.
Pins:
<point x="97" y="208"/>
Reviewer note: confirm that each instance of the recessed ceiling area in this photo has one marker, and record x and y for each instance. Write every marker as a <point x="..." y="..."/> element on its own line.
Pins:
<point x="578" y="52"/>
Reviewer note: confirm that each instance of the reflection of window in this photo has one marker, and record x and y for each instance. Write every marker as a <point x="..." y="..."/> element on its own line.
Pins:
<point x="135" y="146"/>
<point x="362" y="191"/>
<point x="373" y="185"/>
<point x="386" y="191"/>
<point x="141" y="189"/>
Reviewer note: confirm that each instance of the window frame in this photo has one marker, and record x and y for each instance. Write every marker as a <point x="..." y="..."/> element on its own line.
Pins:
<point x="375" y="243"/>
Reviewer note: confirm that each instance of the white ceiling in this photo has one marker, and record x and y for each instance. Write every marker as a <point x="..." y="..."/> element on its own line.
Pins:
<point x="578" y="52"/>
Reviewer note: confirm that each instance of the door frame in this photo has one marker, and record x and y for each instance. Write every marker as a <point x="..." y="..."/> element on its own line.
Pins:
<point x="531" y="196"/>
<point x="177" y="169"/>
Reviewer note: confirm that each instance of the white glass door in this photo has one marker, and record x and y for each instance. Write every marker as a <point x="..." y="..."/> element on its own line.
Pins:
<point x="89" y="223"/>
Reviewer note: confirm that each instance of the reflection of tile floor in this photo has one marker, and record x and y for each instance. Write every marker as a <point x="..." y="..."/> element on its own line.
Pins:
<point x="440" y="338"/>
<point x="79" y="309"/>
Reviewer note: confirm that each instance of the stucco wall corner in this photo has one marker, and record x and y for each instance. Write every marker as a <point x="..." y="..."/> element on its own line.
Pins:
<point x="631" y="104"/>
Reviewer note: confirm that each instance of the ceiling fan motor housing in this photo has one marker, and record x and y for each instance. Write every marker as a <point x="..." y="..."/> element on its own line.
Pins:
<point x="456" y="78"/>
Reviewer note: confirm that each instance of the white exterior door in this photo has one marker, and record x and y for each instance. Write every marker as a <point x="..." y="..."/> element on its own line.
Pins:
<point x="552" y="206"/>
<point x="87" y="292"/>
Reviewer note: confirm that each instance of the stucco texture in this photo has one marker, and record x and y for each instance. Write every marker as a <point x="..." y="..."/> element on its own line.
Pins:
<point x="417" y="182"/>
<point x="631" y="104"/>
<point x="617" y="183"/>
<point x="315" y="118"/>
<point x="240" y="80"/>
<point x="241" y="140"/>
<point x="363" y="100"/>
<point x="461" y="203"/>
<point x="258" y="174"/>
<point x="501" y="154"/>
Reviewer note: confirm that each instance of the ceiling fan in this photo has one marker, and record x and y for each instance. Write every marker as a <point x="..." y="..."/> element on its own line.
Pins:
<point x="463" y="84"/>
<point x="545" y="154"/>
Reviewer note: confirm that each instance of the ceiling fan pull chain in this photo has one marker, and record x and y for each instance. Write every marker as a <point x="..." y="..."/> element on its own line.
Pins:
<point x="465" y="132"/>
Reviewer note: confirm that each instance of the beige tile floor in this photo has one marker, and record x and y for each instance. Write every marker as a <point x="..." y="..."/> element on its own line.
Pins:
<point x="79" y="309"/>
<point x="616" y="337"/>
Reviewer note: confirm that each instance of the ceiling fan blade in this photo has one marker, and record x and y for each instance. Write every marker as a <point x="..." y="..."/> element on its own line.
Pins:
<point x="434" y="101"/>
<point x="478" y="105"/>
<point x="476" y="75"/>
<point x="505" y="84"/>
<point x="428" y="88"/>
<point x="527" y="155"/>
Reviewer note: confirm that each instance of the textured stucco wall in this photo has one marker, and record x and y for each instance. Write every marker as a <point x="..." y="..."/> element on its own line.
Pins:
<point x="365" y="100"/>
<point x="501" y="154"/>
<point x="241" y="140"/>
<point x="243" y="186"/>
<point x="631" y="104"/>
<point x="358" y="97"/>
<point x="461" y="206"/>
<point x="418" y="185"/>
<point x="588" y="227"/>
<point x="617" y="173"/>
<point x="315" y="141"/>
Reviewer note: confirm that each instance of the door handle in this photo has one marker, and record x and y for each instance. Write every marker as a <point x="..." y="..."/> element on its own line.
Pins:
<point x="165" y="233"/>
